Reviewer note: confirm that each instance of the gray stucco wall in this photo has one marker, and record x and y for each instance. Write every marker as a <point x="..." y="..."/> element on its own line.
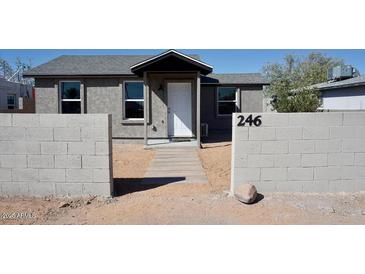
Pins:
<point x="55" y="154"/>
<point x="300" y="152"/>
<point x="46" y="96"/>
<point x="105" y="95"/>
<point x="251" y="100"/>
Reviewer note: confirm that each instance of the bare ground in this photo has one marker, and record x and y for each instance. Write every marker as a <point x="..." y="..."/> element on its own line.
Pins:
<point x="184" y="204"/>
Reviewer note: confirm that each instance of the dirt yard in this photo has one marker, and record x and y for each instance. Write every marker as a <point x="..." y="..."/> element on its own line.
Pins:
<point x="183" y="204"/>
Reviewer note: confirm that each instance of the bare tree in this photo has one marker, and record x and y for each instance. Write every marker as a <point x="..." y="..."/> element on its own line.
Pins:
<point x="16" y="73"/>
<point x="5" y="69"/>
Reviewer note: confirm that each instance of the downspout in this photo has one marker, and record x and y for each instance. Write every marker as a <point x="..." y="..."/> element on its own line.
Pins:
<point x="145" y="92"/>
<point x="198" y="126"/>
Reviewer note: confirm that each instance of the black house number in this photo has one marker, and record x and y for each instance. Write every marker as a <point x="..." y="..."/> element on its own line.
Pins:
<point x="250" y="120"/>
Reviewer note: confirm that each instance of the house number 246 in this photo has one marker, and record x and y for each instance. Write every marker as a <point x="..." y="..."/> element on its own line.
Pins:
<point x="250" y="120"/>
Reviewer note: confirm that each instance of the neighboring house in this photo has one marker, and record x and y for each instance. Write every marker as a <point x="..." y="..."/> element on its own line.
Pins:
<point x="15" y="97"/>
<point x="346" y="94"/>
<point x="176" y="93"/>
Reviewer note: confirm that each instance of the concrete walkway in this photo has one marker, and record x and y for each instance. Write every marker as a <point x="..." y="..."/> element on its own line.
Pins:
<point x="175" y="165"/>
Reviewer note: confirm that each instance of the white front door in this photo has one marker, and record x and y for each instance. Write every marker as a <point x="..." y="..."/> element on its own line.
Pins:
<point x="179" y="109"/>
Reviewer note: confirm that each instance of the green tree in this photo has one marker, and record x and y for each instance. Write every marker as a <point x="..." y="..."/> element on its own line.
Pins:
<point x="290" y="82"/>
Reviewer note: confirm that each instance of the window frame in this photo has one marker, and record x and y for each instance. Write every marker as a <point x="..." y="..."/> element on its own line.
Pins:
<point x="7" y="102"/>
<point x="217" y="101"/>
<point x="124" y="100"/>
<point x="68" y="100"/>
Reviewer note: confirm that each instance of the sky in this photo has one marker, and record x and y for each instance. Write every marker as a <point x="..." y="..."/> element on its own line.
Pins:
<point x="222" y="60"/>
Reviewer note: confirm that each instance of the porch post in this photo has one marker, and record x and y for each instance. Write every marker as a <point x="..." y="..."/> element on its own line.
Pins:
<point x="145" y="95"/>
<point x="198" y="127"/>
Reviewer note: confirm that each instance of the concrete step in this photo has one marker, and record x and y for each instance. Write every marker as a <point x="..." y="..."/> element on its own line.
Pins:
<point x="187" y="149"/>
<point x="173" y="166"/>
<point x="181" y="149"/>
<point x="178" y="155"/>
<point x="177" y="160"/>
<point x="175" y="157"/>
<point x="176" y="152"/>
<point x="173" y="173"/>
<point x="175" y="180"/>
<point x="176" y="163"/>
<point x="187" y="157"/>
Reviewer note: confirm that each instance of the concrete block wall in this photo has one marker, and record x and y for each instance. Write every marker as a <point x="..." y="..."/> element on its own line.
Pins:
<point x="300" y="152"/>
<point x="55" y="154"/>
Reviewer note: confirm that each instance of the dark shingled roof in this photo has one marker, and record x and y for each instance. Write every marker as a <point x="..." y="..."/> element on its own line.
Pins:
<point x="75" y="65"/>
<point x="356" y="81"/>
<point x="87" y="65"/>
<point x="234" y="78"/>
<point x="99" y="65"/>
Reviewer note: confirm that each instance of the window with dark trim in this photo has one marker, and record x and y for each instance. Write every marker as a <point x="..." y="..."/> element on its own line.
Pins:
<point x="11" y="101"/>
<point x="133" y="100"/>
<point x="226" y="100"/>
<point x="70" y="97"/>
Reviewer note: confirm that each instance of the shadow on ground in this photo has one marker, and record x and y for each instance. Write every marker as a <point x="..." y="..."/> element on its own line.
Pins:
<point x="217" y="138"/>
<point x="123" y="186"/>
<point x="259" y="198"/>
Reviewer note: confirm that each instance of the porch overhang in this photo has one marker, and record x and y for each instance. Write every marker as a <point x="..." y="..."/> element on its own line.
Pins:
<point x="171" y="61"/>
<point x="151" y="84"/>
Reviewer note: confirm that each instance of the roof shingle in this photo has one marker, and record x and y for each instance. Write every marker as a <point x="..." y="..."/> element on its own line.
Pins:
<point x="234" y="78"/>
<point x="87" y="65"/>
<point x="98" y="65"/>
<point x="74" y="65"/>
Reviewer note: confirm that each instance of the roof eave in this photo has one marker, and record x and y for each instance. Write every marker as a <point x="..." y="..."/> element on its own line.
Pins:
<point x="169" y="52"/>
<point x="341" y="86"/>
<point x="227" y="83"/>
<point x="77" y="75"/>
<point x="205" y="68"/>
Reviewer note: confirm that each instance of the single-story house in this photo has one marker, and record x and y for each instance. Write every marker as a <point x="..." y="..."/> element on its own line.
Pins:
<point x="170" y="95"/>
<point x="346" y="94"/>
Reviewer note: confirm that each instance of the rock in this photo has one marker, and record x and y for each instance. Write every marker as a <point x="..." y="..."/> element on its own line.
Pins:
<point x="246" y="193"/>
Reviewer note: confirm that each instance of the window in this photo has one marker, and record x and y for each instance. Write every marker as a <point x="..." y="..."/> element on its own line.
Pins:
<point x="226" y="100"/>
<point x="11" y="101"/>
<point x="70" y="97"/>
<point x="133" y="100"/>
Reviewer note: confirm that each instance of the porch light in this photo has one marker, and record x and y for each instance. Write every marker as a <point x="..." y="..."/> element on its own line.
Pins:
<point x="160" y="88"/>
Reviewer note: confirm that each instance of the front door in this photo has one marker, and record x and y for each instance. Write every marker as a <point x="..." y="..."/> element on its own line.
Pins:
<point x="179" y="109"/>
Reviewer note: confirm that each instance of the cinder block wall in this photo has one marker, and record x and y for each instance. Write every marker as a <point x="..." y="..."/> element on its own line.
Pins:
<point x="300" y="152"/>
<point x="55" y="154"/>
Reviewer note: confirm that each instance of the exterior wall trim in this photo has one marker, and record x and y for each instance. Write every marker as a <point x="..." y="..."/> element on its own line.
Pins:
<point x="153" y="59"/>
<point x="182" y="80"/>
<point x="134" y="120"/>
<point x="238" y="103"/>
<point x="82" y="94"/>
